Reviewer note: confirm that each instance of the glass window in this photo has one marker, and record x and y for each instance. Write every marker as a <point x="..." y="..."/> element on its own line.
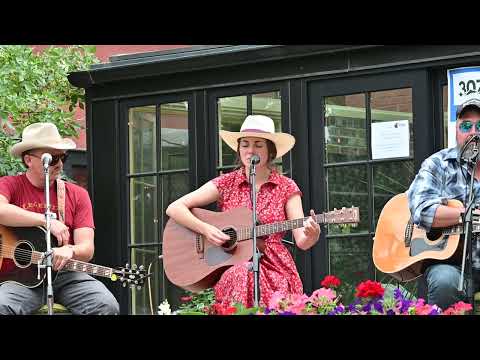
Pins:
<point x="365" y="183"/>
<point x="143" y="210"/>
<point x="393" y="105"/>
<point x="350" y="260"/>
<point x="174" y="135"/>
<point x="231" y="114"/>
<point x="390" y="179"/>
<point x="142" y="139"/>
<point x="347" y="186"/>
<point x="141" y="304"/>
<point x="345" y="136"/>
<point x="158" y="174"/>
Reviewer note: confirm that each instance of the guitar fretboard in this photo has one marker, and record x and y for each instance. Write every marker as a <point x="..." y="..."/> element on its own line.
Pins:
<point x="281" y="226"/>
<point x="80" y="266"/>
<point x="459" y="229"/>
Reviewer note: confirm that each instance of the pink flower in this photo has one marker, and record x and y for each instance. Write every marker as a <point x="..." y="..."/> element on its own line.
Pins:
<point x="296" y="303"/>
<point x="275" y="300"/>
<point x="328" y="294"/>
<point x="459" y="308"/>
<point x="425" y="309"/>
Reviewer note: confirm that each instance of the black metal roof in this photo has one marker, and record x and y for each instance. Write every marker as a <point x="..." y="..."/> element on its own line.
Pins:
<point x="193" y="58"/>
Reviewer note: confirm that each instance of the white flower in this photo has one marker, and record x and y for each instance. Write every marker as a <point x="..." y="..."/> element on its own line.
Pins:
<point x="164" y="308"/>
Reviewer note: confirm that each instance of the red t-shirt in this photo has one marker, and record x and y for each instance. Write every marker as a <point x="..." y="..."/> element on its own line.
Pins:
<point x="78" y="208"/>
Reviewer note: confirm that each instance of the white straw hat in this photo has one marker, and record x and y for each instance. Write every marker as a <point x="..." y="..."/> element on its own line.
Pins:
<point x="41" y="135"/>
<point x="260" y="126"/>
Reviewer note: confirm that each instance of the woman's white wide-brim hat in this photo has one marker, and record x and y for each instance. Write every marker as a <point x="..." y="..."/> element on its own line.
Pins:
<point x="260" y="126"/>
<point x="41" y="135"/>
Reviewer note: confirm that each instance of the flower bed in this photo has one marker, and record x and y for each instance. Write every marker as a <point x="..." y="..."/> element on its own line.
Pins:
<point x="370" y="299"/>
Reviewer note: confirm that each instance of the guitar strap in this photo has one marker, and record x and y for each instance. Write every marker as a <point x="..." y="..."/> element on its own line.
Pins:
<point x="61" y="200"/>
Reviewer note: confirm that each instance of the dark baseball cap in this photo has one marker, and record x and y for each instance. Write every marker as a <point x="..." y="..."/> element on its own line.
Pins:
<point x="472" y="104"/>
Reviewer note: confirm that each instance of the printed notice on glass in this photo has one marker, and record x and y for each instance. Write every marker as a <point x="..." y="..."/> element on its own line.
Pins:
<point x="390" y="139"/>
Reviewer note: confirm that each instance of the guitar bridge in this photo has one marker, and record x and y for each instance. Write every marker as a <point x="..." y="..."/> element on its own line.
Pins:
<point x="199" y="244"/>
<point x="408" y="233"/>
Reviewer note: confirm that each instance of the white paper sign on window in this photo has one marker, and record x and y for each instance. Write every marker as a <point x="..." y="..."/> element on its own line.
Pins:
<point x="390" y="139"/>
<point x="463" y="85"/>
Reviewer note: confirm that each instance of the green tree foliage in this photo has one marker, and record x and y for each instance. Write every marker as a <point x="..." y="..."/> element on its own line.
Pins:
<point x="34" y="88"/>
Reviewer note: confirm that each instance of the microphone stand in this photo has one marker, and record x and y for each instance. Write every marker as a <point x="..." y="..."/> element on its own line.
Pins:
<point x="471" y="163"/>
<point x="49" y="253"/>
<point x="256" y="253"/>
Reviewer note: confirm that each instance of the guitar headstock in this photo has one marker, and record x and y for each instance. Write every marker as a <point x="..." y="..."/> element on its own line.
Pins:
<point x="343" y="216"/>
<point x="133" y="276"/>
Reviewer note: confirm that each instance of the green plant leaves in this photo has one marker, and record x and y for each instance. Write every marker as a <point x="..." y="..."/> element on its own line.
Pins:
<point x="34" y="88"/>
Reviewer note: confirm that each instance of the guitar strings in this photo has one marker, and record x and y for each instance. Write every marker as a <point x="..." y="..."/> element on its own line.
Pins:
<point x="27" y="255"/>
<point x="34" y="255"/>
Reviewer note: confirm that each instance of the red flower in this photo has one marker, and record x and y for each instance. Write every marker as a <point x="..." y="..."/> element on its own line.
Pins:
<point x="218" y="309"/>
<point x="186" y="298"/>
<point x="330" y="281"/>
<point x="229" y="310"/>
<point x="369" y="289"/>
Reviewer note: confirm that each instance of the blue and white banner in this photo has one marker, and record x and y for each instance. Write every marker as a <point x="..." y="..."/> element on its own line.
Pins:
<point x="463" y="85"/>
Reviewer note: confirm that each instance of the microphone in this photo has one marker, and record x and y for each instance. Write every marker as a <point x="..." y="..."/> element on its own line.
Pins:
<point x="470" y="149"/>
<point x="254" y="160"/>
<point x="46" y="160"/>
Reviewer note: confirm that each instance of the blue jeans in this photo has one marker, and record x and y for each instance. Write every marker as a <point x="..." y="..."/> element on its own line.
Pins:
<point x="80" y="293"/>
<point x="442" y="282"/>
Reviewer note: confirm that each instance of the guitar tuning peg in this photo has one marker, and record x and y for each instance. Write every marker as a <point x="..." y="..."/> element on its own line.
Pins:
<point x="127" y="266"/>
<point x="134" y="267"/>
<point x="124" y="284"/>
<point x="141" y="267"/>
<point x="139" y="288"/>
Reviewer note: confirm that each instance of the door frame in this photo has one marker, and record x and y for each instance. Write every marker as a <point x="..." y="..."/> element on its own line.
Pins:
<point x="317" y="90"/>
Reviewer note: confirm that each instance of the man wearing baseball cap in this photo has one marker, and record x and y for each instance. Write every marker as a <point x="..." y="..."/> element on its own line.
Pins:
<point x="442" y="177"/>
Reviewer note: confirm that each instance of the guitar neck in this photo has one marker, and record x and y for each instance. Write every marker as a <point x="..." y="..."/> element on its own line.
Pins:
<point x="459" y="229"/>
<point x="281" y="226"/>
<point x="81" y="266"/>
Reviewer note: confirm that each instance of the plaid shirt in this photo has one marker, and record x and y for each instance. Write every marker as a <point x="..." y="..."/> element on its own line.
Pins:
<point x="439" y="179"/>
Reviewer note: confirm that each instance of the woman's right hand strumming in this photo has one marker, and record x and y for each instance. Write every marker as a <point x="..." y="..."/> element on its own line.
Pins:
<point x="214" y="235"/>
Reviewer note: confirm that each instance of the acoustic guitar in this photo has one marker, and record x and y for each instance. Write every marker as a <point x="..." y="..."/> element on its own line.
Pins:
<point x="22" y="256"/>
<point x="404" y="250"/>
<point x="193" y="263"/>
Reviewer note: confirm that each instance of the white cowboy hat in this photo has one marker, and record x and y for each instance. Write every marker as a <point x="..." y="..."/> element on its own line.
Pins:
<point x="262" y="127"/>
<point x="41" y="135"/>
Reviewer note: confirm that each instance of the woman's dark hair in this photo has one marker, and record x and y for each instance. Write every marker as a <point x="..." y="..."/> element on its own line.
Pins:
<point x="272" y="154"/>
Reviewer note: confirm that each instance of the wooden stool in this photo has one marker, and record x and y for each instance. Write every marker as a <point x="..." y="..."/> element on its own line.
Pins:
<point x="57" y="310"/>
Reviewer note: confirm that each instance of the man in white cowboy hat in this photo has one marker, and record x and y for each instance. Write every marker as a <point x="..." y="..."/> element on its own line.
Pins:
<point x="22" y="204"/>
<point x="278" y="199"/>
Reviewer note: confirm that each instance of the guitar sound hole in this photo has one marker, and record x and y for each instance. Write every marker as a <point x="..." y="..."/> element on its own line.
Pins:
<point x="23" y="255"/>
<point x="232" y="243"/>
<point x="434" y="234"/>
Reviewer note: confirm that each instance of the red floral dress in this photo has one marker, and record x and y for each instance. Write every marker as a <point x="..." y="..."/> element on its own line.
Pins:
<point x="277" y="268"/>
